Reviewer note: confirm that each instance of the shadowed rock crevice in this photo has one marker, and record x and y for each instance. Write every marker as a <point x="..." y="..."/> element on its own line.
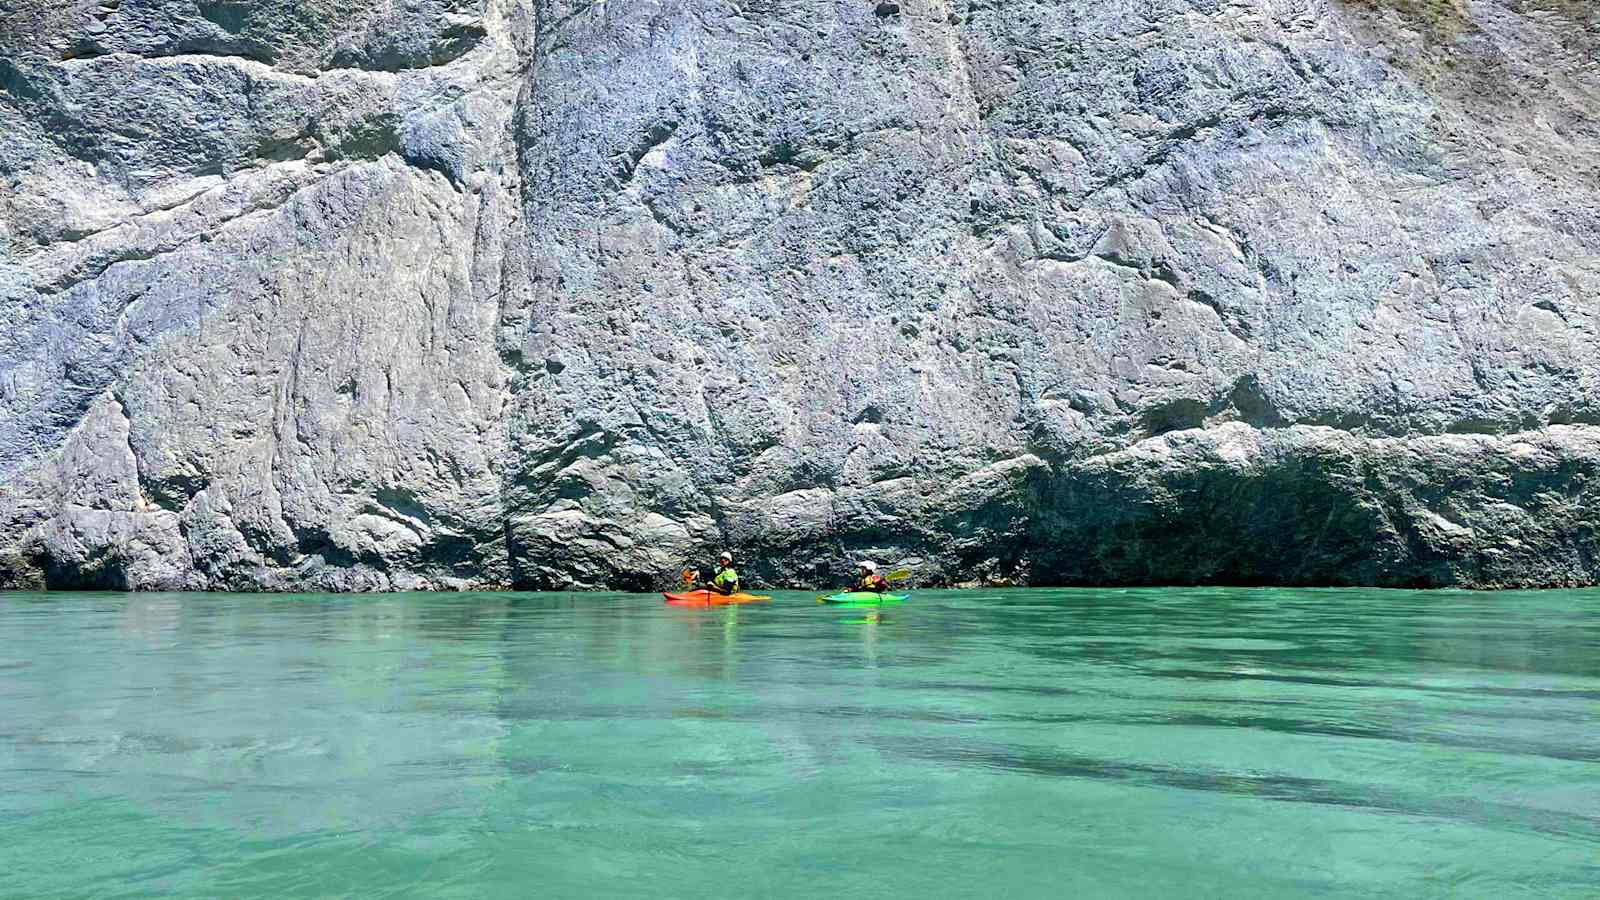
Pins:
<point x="295" y="35"/>
<point x="1303" y="507"/>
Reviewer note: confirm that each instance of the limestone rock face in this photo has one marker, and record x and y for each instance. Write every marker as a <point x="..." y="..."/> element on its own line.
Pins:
<point x="348" y="295"/>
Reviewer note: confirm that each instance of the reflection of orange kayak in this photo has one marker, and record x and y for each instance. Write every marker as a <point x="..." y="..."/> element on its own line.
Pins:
<point x="712" y="598"/>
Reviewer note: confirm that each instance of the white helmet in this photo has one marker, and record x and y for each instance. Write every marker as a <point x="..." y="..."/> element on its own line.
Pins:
<point x="870" y="566"/>
<point x="725" y="555"/>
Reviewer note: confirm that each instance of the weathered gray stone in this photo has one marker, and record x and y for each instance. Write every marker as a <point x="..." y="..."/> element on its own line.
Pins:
<point x="346" y="295"/>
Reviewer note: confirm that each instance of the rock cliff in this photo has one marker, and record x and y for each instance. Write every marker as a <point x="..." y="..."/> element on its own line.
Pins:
<point x="356" y="295"/>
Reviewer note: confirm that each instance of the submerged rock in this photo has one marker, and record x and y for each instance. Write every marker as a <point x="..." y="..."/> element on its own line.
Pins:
<point x="347" y="296"/>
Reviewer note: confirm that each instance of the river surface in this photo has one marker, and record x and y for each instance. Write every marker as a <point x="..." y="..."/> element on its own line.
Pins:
<point x="1025" y="743"/>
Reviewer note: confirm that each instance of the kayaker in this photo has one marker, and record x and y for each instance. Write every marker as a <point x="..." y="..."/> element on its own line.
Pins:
<point x="870" y="580"/>
<point x="726" y="580"/>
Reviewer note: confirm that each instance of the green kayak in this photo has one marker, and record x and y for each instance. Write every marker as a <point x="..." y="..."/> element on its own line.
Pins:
<point x="864" y="598"/>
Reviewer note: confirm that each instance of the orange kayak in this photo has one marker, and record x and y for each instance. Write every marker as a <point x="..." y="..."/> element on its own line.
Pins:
<point x="712" y="598"/>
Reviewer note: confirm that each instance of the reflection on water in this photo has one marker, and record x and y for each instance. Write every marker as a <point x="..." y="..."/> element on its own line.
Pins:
<point x="1036" y="743"/>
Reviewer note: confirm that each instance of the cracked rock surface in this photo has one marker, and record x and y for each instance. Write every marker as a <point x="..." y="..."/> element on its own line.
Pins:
<point x="354" y="295"/>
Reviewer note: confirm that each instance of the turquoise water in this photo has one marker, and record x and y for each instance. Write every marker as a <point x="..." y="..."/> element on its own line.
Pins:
<point x="1219" y="743"/>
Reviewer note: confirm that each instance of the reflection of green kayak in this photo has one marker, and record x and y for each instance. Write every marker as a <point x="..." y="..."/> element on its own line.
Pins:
<point x="864" y="598"/>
